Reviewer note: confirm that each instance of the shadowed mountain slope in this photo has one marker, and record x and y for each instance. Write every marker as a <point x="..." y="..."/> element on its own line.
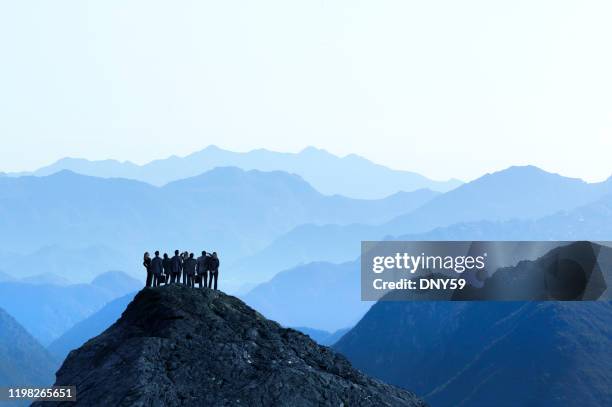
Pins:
<point x="489" y="353"/>
<point x="23" y="361"/>
<point x="91" y="326"/>
<point x="48" y="310"/>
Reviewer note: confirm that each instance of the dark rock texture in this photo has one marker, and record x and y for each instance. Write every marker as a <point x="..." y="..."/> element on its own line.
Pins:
<point x="175" y="346"/>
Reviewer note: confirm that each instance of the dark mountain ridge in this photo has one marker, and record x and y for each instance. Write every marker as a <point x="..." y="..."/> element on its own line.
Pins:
<point x="553" y="354"/>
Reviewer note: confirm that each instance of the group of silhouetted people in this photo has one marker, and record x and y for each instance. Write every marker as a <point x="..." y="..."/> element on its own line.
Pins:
<point x="203" y="271"/>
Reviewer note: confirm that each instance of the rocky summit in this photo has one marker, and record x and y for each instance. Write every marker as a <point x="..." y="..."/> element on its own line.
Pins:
<point x="179" y="346"/>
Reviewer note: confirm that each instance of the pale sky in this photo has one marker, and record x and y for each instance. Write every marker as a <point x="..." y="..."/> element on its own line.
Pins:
<point x="444" y="88"/>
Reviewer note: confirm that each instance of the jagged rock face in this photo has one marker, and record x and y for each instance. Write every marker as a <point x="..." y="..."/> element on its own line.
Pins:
<point x="192" y="347"/>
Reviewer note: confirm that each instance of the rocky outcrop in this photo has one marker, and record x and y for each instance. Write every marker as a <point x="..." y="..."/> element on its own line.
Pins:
<point x="176" y="346"/>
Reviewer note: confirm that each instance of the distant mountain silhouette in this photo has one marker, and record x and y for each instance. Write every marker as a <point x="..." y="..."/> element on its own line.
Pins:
<point x="23" y="361"/>
<point x="46" y="278"/>
<point x="489" y="353"/>
<point x="89" y="327"/>
<point x="275" y="296"/>
<point x="179" y="346"/>
<point x="318" y="295"/>
<point x="502" y="206"/>
<point x="352" y="176"/>
<point x="308" y="243"/>
<point x="72" y="264"/>
<point x="322" y="337"/>
<point x="47" y="310"/>
<point x="227" y="209"/>
<point x="515" y="193"/>
<point x="588" y="222"/>
<point x="117" y="282"/>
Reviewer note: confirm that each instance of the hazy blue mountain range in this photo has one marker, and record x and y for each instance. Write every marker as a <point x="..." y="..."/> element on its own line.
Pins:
<point x="274" y="297"/>
<point x="489" y="353"/>
<point x="331" y="243"/>
<point x="352" y="176"/>
<point x="318" y="295"/>
<point x="500" y="206"/>
<point x="72" y="264"/>
<point x="515" y="193"/>
<point x="323" y="337"/>
<point x="589" y="222"/>
<point x="89" y="327"/>
<point x="45" y="278"/>
<point x="47" y="311"/>
<point x="23" y="361"/>
<point x="227" y="209"/>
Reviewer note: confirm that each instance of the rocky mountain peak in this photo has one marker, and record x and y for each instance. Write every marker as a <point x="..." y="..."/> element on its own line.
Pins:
<point x="175" y="345"/>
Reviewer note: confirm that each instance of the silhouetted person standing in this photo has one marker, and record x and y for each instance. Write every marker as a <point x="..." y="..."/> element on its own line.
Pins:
<point x="214" y="270"/>
<point x="146" y="262"/>
<point x="156" y="266"/>
<point x="167" y="266"/>
<point x="177" y="267"/>
<point x="202" y="269"/>
<point x="184" y="257"/>
<point x="189" y="268"/>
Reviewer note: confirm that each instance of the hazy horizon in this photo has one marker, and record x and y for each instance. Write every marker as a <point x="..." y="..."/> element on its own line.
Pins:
<point x="285" y="152"/>
<point x="444" y="89"/>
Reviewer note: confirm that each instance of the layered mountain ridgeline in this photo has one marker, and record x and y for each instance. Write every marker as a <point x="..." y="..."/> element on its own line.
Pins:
<point x="89" y="327"/>
<point x="233" y="211"/>
<point x="351" y="176"/>
<point x="70" y="263"/>
<point x="23" y="361"/>
<point x="591" y="221"/>
<point x="326" y="286"/>
<point x="489" y="353"/>
<point x="317" y="295"/>
<point x="523" y="192"/>
<point x="323" y="337"/>
<point x="48" y="310"/>
<point x="519" y="203"/>
<point x="179" y="346"/>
